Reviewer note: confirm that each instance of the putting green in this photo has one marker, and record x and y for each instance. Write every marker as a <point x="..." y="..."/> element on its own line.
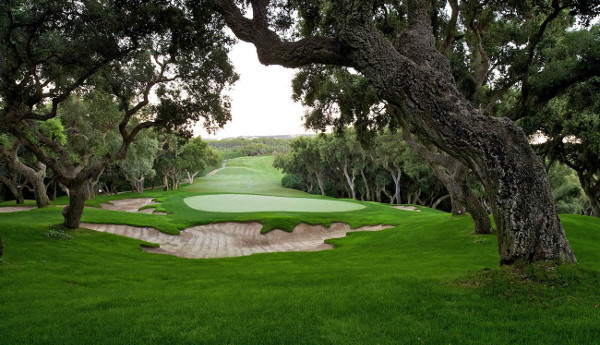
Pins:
<point x="260" y="203"/>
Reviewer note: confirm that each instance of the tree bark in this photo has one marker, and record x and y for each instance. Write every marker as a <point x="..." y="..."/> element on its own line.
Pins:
<point x="165" y="183"/>
<point x="320" y="182"/>
<point x="453" y="175"/>
<point x="396" y="176"/>
<point x="35" y="177"/>
<point x="39" y="191"/>
<point x="367" y="190"/>
<point x="439" y="200"/>
<point x="15" y="189"/>
<point x="417" y="78"/>
<point x="350" y="180"/>
<point x="72" y="213"/>
<point x="591" y="188"/>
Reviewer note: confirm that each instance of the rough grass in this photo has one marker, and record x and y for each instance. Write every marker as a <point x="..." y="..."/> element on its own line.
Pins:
<point x="429" y="280"/>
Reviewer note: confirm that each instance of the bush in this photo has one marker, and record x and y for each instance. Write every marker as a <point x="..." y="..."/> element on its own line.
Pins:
<point x="291" y="181"/>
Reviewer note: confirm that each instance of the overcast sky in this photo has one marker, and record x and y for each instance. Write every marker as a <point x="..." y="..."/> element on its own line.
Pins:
<point x="261" y="102"/>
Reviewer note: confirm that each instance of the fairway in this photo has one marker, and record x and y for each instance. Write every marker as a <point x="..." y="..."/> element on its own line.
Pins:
<point x="247" y="273"/>
<point x="238" y="203"/>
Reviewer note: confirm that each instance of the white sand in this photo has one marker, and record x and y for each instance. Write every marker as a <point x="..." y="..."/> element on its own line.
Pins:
<point x="231" y="239"/>
<point x="15" y="209"/>
<point x="407" y="208"/>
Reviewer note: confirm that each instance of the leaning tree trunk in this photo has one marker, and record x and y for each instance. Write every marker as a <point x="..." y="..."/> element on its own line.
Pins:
<point x="16" y="190"/>
<point x="481" y="218"/>
<point x="320" y="182"/>
<point x="74" y="210"/>
<point x="414" y="76"/>
<point x="367" y="190"/>
<point x="40" y="192"/>
<point x="591" y="189"/>
<point x="36" y="177"/>
<point x="396" y="176"/>
<point x="350" y="181"/>
<point x="418" y="79"/>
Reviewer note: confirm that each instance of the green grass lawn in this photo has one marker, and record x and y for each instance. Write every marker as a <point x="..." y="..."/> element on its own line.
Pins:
<point x="262" y="203"/>
<point x="429" y="280"/>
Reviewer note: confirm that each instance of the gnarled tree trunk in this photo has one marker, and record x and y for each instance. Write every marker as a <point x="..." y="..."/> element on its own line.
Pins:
<point x="74" y="210"/>
<point x="591" y="188"/>
<point x="453" y="174"/>
<point x="15" y="189"/>
<point x="417" y="78"/>
<point x="35" y="177"/>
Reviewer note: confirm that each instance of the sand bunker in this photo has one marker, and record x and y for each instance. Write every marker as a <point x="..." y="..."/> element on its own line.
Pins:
<point x="16" y="209"/>
<point x="131" y="205"/>
<point x="231" y="239"/>
<point x="407" y="208"/>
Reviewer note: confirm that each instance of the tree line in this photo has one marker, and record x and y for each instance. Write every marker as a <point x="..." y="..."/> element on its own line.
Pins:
<point x="86" y="126"/>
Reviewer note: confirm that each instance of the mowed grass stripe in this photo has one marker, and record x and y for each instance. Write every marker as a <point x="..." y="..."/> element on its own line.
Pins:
<point x="238" y="203"/>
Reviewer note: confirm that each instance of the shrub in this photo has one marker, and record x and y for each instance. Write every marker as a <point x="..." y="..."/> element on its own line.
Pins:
<point x="291" y="181"/>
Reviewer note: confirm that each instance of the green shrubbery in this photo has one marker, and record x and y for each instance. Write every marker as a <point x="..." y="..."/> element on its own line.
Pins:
<point x="291" y="181"/>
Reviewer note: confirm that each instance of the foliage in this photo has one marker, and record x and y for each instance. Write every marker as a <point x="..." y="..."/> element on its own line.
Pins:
<point x="291" y="181"/>
<point x="119" y="54"/>
<point x="242" y="147"/>
<point x="330" y="157"/>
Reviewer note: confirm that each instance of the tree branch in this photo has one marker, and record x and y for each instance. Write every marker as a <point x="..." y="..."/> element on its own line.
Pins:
<point x="271" y="49"/>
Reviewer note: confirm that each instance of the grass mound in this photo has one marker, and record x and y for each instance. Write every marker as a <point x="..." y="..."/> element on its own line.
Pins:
<point x="239" y="203"/>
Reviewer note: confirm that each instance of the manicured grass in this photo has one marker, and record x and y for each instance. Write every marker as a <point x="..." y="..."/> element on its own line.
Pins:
<point x="259" y="171"/>
<point x="238" y="203"/>
<point x="429" y="280"/>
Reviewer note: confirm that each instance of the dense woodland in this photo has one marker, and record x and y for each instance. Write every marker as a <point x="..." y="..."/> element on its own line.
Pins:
<point x="93" y="96"/>
<point x="338" y="165"/>
<point x="242" y="147"/>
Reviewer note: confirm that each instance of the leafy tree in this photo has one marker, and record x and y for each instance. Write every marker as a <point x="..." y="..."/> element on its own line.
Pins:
<point x="137" y="166"/>
<point x="399" y="59"/>
<point x="305" y="160"/>
<point x="391" y="152"/>
<point x="195" y="157"/>
<point x="128" y="50"/>
<point x="571" y="125"/>
<point x="566" y="189"/>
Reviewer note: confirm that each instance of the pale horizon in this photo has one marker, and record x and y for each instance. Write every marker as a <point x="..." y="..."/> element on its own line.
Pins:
<point x="261" y="100"/>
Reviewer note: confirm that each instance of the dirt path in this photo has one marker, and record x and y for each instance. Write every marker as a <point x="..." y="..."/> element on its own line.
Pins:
<point x="214" y="172"/>
<point x="231" y="239"/>
<point x="15" y="209"/>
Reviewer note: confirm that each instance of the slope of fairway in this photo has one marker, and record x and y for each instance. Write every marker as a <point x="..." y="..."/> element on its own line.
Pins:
<point x="245" y="175"/>
<point x="427" y="280"/>
<point x="260" y="203"/>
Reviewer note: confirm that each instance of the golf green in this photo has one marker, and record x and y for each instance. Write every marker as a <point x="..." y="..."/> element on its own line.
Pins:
<point x="261" y="203"/>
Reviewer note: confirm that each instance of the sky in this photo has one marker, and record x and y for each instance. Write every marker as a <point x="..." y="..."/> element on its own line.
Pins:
<point x="261" y="100"/>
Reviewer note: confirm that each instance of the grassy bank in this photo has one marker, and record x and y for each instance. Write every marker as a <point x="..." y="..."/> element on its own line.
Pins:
<point x="429" y="280"/>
